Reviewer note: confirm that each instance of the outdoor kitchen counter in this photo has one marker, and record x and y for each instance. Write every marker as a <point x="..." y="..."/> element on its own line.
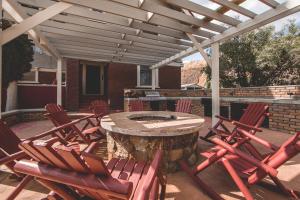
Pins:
<point x="225" y="99"/>
<point x="139" y="134"/>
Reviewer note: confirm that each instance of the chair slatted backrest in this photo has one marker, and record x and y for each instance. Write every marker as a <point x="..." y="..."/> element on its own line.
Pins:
<point x="99" y="107"/>
<point x="136" y="105"/>
<point x="254" y="114"/>
<point x="59" y="117"/>
<point x="288" y="150"/>
<point x="184" y="106"/>
<point x="8" y="140"/>
<point x="52" y="152"/>
<point x="57" y="114"/>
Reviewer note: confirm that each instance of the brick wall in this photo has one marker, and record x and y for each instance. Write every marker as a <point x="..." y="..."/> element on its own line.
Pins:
<point x="170" y="77"/>
<point x="270" y="91"/>
<point x="285" y="117"/>
<point x="72" y="84"/>
<point x="120" y="76"/>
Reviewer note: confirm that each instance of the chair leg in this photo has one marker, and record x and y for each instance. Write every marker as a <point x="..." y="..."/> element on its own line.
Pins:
<point x="163" y="182"/>
<point x="19" y="187"/>
<point x="286" y="191"/>
<point x="205" y="188"/>
<point x="238" y="181"/>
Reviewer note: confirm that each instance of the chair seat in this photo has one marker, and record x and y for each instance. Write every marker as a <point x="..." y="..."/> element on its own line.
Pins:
<point x="219" y="132"/>
<point x="244" y="168"/>
<point x="90" y="131"/>
<point x="132" y="171"/>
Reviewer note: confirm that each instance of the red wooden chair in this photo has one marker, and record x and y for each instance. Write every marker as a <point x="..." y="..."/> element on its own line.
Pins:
<point x="184" y="106"/>
<point x="9" y="154"/>
<point x="136" y="105"/>
<point x="253" y="116"/>
<point x="242" y="165"/>
<point x="59" y="117"/>
<point x="100" y="108"/>
<point x="72" y="176"/>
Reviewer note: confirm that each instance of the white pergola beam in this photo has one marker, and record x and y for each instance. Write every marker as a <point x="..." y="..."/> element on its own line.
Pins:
<point x="235" y="7"/>
<point x="158" y="8"/>
<point x="283" y="10"/>
<point x="108" y="34"/>
<point x="85" y="16"/>
<point x="197" y="8"/>
<point x="31" y="22"/>
<point x="271" y="3"/>
<point x="17" y="13"/>
<point x="215" y="83"/>
<point x="200" y="49"/>
<point x="138" y="14"/>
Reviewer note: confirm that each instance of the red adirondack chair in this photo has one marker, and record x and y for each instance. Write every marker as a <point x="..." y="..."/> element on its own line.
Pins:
<point x="59" y="117"/>
<point x="242" y="165"/>
<point x="100" y="108"/>
<point x="9" y="154"/>
<point x="72" y="176"/>
<point x="253" y="116"/>
<point x="136" y="105"/>
<point x="184" y="106"/>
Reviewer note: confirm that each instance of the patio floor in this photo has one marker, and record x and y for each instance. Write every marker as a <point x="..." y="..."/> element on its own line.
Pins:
<point x="180" y="186"/>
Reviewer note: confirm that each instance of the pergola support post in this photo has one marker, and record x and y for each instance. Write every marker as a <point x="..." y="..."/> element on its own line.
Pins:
<point x="153" y="79"/>
<point x="59" y="80"/>
<point x="215" y="82"/>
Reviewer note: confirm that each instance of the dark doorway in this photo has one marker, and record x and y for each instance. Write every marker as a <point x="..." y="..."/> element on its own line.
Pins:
<point x="93" y="79"/>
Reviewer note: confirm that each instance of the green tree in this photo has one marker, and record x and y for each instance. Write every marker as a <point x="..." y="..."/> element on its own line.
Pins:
<point x="261" y="57"/>
<point x="17" y="56"/>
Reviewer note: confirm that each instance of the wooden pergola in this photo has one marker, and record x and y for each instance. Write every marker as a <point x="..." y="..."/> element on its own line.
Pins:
<point x="143" y="32"/>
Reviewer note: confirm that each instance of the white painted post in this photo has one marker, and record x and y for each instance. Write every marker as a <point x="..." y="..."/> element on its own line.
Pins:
<point x="153" y="79"/>
<point x="59" y="80"/>
<point x="36" y="75"/>
<point x="215" y="83"/>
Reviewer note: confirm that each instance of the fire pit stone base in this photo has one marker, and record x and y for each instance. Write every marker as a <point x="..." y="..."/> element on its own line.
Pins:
<point x="144" y="148"/>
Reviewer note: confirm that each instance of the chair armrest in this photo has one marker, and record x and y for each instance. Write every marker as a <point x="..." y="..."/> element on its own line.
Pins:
<point x="105" y="185"/>
<point x="258" y="140"/>
<point x="223" y="118"/>
<point x="245" y="126"/>
<point x="246" y="157"/>
<point x="150" y="177"/>
<point x="91" y="148"/>
<point x="12" y="157"/>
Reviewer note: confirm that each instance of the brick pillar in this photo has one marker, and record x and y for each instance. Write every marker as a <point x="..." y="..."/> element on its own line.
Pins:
<point x="72" y="84"/>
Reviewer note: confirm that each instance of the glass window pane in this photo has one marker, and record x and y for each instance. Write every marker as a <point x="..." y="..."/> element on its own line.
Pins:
<point x="145" y="75"/>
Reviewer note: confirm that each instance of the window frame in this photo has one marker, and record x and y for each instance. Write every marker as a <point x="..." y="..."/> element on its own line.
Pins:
<point x="139" y="78"/>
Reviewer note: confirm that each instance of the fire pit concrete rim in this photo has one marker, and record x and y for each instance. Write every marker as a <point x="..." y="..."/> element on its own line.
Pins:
<point x="176" y="124"/>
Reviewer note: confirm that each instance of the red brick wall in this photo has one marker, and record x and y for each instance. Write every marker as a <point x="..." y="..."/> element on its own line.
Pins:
<point x="73" y="84"/>
<point x="170" y="78"/>
<point x="35" y="96"/>
<point x="120" y="76"/>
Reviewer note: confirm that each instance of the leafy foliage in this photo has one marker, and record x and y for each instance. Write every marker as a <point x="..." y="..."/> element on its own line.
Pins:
<point x="16" y="58"/>
<point x="261" y="57"/>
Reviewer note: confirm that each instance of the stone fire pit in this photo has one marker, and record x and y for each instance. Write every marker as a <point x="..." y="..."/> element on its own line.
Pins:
<point x="139" y="134"/>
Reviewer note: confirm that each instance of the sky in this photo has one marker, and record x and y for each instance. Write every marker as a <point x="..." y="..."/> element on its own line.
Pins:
<point x="253" y="5"/>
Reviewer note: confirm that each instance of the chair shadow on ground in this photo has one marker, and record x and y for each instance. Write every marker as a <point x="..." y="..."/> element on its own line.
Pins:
<point x="7" y="179"/>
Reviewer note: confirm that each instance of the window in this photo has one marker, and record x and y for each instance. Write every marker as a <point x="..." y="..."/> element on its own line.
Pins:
<point x="144" y="76"/>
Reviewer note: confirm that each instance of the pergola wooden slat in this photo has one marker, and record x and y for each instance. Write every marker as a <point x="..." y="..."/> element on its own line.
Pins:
<point x="142" y="32"/>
